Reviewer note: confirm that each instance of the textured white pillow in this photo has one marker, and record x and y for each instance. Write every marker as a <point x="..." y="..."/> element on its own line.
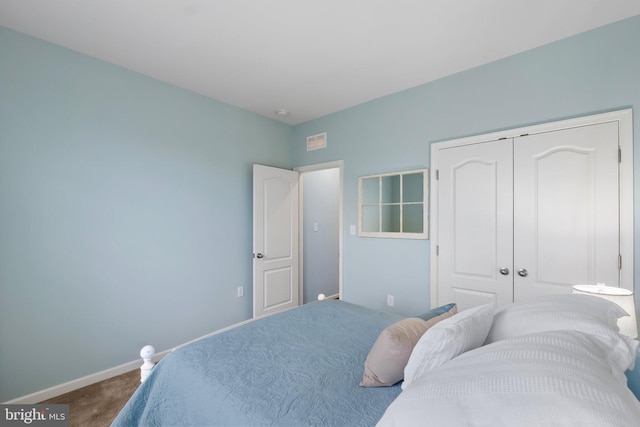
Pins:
<point x="584" y="313"/>
<point x="554" y="378"/>
<point x="447" y="339"/>
<point x="387" y="358"/>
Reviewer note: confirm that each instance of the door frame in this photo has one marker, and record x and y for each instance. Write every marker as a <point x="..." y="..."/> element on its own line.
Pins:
<point x="338" y="164"/>
<point x="625" y="143"/>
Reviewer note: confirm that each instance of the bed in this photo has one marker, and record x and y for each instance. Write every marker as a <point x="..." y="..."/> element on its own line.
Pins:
<point x="299" y="367"/>
<point x="556" y="361"/>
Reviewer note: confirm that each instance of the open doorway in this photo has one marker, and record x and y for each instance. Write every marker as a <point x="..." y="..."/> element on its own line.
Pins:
<point x="320" y="225"/>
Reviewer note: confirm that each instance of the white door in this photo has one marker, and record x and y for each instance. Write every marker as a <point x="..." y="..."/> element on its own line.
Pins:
<point x="566" y="210"/>
<point x="559" y="188"/>
<point x="275" y="240"/>
<point x="475" y="229"/>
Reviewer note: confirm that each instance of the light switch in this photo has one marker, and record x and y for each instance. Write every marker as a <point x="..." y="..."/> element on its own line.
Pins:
<point x="352" y="230"/>
<point x="315" y="226"/>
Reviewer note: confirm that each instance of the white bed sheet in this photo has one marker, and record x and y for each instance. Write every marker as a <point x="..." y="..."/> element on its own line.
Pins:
<point x="556" y="378"/>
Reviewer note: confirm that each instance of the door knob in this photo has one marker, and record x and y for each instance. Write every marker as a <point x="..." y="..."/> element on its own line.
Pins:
<point x="259" y="255"/>
<point x="523" y="272"/>
<point x="504" y="271"/>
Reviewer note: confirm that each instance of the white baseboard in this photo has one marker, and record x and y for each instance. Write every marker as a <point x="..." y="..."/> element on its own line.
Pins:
<point x="57" y="390"/>
<point x="219" y="331"/>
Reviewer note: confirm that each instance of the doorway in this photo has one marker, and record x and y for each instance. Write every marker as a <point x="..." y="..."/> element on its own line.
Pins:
<point x="279" y="221"/>
<point x="320" y="238"/>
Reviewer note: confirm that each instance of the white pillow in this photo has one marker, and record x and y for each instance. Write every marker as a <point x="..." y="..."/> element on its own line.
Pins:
<point x="554" y="378"/>
<point x="387" y="358"/>
<point x="585" y="313"/>
<point x="447" y="339"/>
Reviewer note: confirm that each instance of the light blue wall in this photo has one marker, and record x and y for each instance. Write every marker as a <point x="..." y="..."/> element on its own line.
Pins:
<point x="119" y="192"/>
<point x="125" y="213"/>
<point x="590" y="73"/>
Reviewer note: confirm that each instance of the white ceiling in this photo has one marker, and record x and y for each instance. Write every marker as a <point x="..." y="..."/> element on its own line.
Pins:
<point x="310" y="57"/>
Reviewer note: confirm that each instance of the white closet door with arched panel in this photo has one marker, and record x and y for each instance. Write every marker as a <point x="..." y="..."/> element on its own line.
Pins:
<point x="533" y="211"/>
<point x="475" y="232"/>
<point x="566" y="229"/>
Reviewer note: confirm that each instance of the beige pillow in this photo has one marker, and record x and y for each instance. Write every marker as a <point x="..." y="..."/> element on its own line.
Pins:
<point x="390" y="353"/>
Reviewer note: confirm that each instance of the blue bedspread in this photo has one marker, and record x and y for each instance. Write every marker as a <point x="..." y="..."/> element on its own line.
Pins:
<point x="301" y="367"/>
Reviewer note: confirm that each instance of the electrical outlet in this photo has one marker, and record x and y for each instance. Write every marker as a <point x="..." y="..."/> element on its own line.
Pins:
<point x="240" y="291"/>
<point x="390" y="301"/>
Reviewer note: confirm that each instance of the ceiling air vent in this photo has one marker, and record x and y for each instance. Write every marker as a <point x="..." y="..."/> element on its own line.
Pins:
<point x="316" y="142"/>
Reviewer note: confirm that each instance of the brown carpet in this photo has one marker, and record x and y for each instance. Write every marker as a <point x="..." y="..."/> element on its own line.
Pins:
<point x="98" y="404"/>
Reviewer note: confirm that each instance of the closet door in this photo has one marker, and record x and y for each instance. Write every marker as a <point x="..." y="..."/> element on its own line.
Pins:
<point x="475" y="224"/>
<point x="566" y="203"/>
<point x="571" y="210"/>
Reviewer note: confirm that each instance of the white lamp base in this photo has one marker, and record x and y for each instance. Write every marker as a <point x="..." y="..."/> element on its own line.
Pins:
<point x="620" y="296"/>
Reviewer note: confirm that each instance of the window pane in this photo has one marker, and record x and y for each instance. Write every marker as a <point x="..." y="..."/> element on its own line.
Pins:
<point x="391" y="218"/>
<point x="412" y="218"/>
<point x="391" y="189"/>
<point x="412" y="190"/>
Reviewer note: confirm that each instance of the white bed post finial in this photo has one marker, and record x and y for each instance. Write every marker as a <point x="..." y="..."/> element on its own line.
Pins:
<point x="147" y="354"/>
<point x="321" y="297"/>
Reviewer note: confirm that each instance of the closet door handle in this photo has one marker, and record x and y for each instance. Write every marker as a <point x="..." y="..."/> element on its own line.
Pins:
<point x="523" y="272"/>
<point x="259" y="255"/>
<point x="504" y="271"/>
